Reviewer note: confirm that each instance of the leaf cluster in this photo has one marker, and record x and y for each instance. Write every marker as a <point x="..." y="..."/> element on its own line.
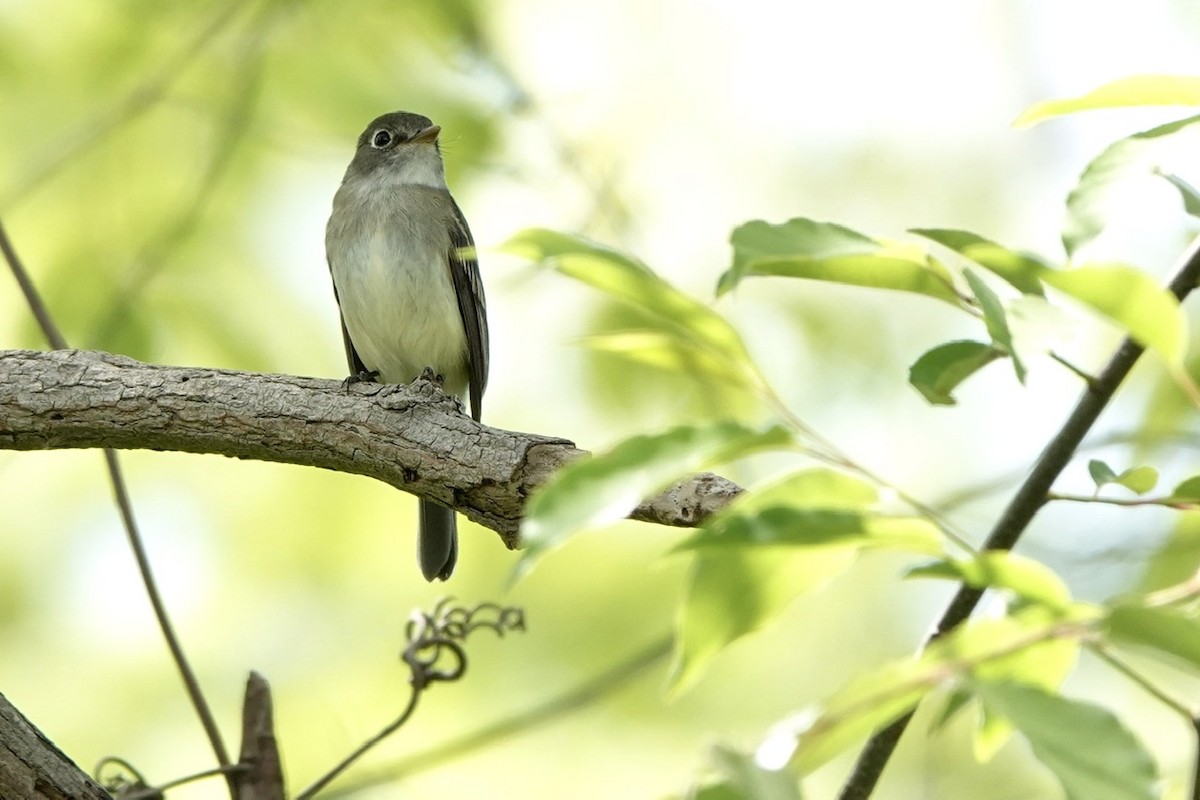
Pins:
<point x="802" y="530"/>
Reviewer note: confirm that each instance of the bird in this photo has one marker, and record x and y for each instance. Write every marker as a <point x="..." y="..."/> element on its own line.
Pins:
<point x="407" y="285"/>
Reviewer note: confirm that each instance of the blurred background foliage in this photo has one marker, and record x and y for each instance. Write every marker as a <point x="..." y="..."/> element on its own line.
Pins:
<point x="166" y="174"/>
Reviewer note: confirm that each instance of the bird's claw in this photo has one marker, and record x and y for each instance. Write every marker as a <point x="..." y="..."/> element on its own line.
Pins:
<point x="428" y="374"/>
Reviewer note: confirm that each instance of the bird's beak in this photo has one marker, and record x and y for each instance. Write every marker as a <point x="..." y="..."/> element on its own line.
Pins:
<point x="430" y="134"/>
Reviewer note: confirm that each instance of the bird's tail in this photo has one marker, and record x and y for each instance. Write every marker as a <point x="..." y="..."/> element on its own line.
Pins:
<point x="437" y="541"/>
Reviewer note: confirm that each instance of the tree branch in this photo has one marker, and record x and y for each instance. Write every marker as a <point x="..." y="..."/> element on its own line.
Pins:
<point x="1018" y="515"/>
<point x="411" y="437"/>
<point x="32" y="767"/>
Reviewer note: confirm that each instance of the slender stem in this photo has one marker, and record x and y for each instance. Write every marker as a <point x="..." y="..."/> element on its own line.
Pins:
<point x="342" y="765"/>
<point x="827" y="452"/>
<point x="1165" y="502"/>
<point x="1196" y="760"/>
<point x="190" y="681"/>
<point x="582" y="695"/>
<point x="125" y="506"/>
<point x="156" y="792"/>
<point x="1191" y="716"/>
<point x="32" y="298"/>
<point x="1142" y="681"/>
<point x="1029" y="498"/>
<point x="1087" y="377"/>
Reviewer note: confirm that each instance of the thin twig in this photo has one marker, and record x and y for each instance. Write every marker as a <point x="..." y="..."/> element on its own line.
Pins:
<point x="1084" y="375"/>
<point x="1196" y="759"/>
<point x="586" y="693"/>
<point x="1015" y="519"/>
<point x="125" y="506"/>
<point x="32" y="298"/>
<point x="156" y="792"/>
<point x="387" y="731"/>
<point x="1188" y="714"/>
<point x="1141" y="681"/>
<point x="1164" y="502"/>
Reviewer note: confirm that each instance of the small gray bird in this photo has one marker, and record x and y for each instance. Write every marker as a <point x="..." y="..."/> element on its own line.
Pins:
<point x="407" y="284"/>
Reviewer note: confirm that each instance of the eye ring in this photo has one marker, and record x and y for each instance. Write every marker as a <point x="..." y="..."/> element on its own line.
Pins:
<point x="381" y="139"/>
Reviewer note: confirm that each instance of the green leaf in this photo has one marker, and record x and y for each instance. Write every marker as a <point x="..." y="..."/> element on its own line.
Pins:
<point x="863" y="706"/>
<point x="806" y="527"/>
<point x="804" y="248"/>
<point x="995" y="319"/>
<point x="1088" y="205"/>
<point x="1138" y="90"/>
<point x="689" y="322"/>
<point x="1132" y="300"/>
<point x="1030" y="645"/>
<point x="939" y="371"/>
<point x="1187" y="193"/>
<point x="1101" y="473"/>
<point x="1187" y="491"/>
<point x="956" y="701"/>
<point x="1138" y="480"/>
<point x="604" y="488"/>
<point x="1028" y="579"/>
<point x="1163" y="629"/>
<point x="1090" y="751"/>
<point x="744" y="779"/>
<point x="734" y="592"/>
<point x="1020" y="271"/>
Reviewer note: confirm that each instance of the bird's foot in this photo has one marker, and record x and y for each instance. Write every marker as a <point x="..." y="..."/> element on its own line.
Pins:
<point x="428" y="374"/>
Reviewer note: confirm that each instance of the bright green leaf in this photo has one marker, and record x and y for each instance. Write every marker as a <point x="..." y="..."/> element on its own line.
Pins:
<point x="995" y="319"/>
<point x="1188" y="490"/>
<point x="863" y="706"/>
<point x="804" y="248"/>
<point x="1089" y="203"/>
<point x="691" y="322"/>
<point x="1028" y="579"/>
<point x="1087" y="747"/>
<point x="1131" y="299"/>
<point x="1032" y="645"/>
<point x="1188" y="193"/>
<point x="604" y="488"/>
<point x="818" y="487"/>
<point x="1138" y="480"/>
<point x="1138" y="90"/>
<point x="733" y="593"/>
<point x="1045" y="664"/>
<point x="1163" y="629"/>
<point x="939" y="371"/>
<point x="1020" y="271"/>
<point x="806" y="527"/>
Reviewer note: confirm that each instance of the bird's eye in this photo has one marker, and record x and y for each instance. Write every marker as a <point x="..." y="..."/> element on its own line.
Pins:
<point x="381" y="139"/>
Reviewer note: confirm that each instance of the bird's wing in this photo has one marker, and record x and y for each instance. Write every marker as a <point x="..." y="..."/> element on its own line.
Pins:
<point x="468" y="288"/>
<point x="355" y="363"/>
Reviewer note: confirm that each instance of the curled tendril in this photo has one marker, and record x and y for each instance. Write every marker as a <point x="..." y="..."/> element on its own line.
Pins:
<point x="436" y="637"/>
<point x="121" y="779"/>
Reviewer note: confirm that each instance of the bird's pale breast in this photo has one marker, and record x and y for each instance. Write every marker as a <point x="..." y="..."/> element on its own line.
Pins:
<point x="394" y="287"/>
